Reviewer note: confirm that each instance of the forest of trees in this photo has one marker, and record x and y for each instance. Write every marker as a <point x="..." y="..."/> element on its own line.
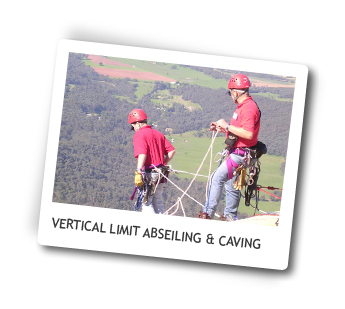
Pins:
<point x="95" y="164"/>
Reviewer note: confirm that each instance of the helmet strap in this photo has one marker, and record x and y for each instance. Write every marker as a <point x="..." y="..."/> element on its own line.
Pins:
<point x="140" y="125"/>
<point x="236" y="99"/>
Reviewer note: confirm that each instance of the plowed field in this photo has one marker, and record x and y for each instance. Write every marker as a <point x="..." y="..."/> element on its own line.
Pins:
<point x="98" y="59"/>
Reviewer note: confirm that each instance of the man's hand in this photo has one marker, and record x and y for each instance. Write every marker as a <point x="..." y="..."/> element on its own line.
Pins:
<point x="221" y="125"/>
<point x="138" y="179"/>
<point x="213" y="126"/>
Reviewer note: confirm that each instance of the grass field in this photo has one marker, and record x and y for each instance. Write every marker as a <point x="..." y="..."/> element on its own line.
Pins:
<point x="124" y="98"/>
<point x="190" y="151"/>
<point x="269" y="81"/>
<point x="167" y="99"/>
<point x="178" y="73"/>
<point x="273" y="96"/>
<point x="71" y="86"/>
<point x="175" y="71"/>
<point x="144" y="87"/>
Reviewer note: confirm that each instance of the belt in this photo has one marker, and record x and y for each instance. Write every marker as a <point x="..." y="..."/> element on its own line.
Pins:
<point x="237" y="151"/>
<point x="149" y="168"/>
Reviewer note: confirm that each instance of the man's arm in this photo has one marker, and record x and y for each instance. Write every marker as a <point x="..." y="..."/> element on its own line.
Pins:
<point x="138" y="179"/>
<point x="141" y="161"/>
<point x="241" y="132"/>
<point x="169" y="156"/>
<point x="223" y="126"/>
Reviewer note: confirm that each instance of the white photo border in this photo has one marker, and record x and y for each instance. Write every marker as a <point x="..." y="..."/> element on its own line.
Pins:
<point x="273" y="252"/>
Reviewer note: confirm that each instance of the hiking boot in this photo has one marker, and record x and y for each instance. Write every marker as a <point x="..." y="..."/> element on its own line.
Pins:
<point x="228" y="218"/>
<point x="204" y="215"/>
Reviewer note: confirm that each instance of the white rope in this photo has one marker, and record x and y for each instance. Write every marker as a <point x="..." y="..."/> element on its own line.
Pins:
<point x="209" y="170"/>
<point x="177" y="171"/>
<point x="178" y="206"/>
<point x="179" y="201"/>
<point x="184" y="192"/>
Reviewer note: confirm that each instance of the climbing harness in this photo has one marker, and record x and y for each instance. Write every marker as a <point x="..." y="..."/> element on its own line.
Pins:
<point x="151" y="176"/>
<point x="222" y="155"/>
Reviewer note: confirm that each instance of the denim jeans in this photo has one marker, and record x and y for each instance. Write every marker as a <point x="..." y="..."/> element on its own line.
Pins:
<point x="218" y="180"/>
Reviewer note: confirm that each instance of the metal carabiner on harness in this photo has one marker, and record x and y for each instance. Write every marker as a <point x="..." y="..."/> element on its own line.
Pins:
<point x="252" y="173"/>
<point x="223" y="154"/>
<point x="139" y="200"/>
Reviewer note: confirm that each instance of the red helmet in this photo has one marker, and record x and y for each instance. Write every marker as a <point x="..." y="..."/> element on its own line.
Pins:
<point x="239" y="81"/>
<point x="136" y="115"/>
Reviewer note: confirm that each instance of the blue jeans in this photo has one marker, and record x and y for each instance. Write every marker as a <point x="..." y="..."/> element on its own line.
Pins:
<point x="219" y="179"/>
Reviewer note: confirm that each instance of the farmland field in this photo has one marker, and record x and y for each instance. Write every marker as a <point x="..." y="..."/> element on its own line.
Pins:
<point x="165" y="98"/>
<point x="175" y="72"/>
<point x="144" y="87"/>
<point x="117" y="67"/>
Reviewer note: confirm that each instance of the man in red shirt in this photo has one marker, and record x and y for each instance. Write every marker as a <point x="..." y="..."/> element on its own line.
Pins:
<point x="241" y="133"/>
<point x="151" y="149"/>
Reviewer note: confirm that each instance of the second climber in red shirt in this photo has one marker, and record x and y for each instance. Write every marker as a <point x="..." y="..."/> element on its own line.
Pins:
<point x="151" y="149"/>
<point x="241" y="133"/>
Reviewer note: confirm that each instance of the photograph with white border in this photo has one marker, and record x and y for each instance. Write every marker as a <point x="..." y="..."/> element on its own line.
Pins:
<point x="89" y="199"/>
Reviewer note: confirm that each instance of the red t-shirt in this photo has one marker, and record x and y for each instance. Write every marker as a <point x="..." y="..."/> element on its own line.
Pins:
<point x="151" y="143"/>
<point x="247" y="116"/>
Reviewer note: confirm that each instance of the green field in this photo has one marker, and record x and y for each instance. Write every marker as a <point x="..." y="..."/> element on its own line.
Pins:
<point x="272" y="96"/>
<point x="270" y="81"/>
<point x="174" y="71"/>
<point x="71" y="86"/>
<point x="121" y="97"/>
<point x="165" y="98"/>
<point x="191" y="150"/>
<point x="144" y="87"/>
<point x="178" y="73"/>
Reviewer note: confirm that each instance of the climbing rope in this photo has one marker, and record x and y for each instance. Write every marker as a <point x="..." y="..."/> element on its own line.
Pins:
<point x="259" y="188"/>
<point x="179" y="204"/>
<point x="178" y="171"/>
<point x="209" y="170"/>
